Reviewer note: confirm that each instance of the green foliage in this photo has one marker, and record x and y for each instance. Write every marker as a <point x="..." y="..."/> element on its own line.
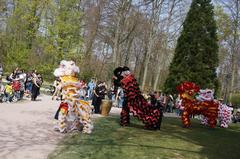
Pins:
<point x="46" y="70"/>
<point x="196" y="57"/>
<point x="87" y="75"/>
<point x="223" y="23"/>
<point x="40" y="34"/>
<point x="16" y="56"/>
<point x="66" y="29"/>
<point x="235" y="100"/>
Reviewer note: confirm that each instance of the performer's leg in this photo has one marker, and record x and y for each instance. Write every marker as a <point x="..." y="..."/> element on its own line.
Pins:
<point x="61" y="116"/>
<point x="62" y="121"/>
<point x="186" y="119"/>
<point x="212" y="121"/>
<point x="125" y="117"/>
<point x="83" y="114"/>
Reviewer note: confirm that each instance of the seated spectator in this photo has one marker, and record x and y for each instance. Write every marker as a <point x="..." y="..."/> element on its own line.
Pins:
<point x="8" y="92"/>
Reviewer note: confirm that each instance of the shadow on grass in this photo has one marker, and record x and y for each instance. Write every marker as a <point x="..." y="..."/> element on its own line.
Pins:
<point x="216" y="143"/>
<point x="109" y="140"/>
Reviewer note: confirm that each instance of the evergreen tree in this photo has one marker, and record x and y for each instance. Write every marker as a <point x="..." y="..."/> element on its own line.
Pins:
<point x="196" y="53"/>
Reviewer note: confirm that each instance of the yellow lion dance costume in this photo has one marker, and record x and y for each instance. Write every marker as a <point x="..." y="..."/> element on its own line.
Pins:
<point x="73" y="113"/>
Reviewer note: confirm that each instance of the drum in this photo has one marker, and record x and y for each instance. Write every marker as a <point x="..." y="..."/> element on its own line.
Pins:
<point x="105" y="107"/>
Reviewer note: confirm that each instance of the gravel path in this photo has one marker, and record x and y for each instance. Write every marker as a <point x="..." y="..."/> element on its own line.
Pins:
<point x="26" y="128"/>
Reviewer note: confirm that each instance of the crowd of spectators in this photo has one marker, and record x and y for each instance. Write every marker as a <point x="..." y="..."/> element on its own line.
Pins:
<point x="19" y="84"/>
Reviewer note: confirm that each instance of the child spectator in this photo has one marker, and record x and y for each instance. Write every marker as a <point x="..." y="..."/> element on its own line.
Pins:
<point x="8" y="92"/>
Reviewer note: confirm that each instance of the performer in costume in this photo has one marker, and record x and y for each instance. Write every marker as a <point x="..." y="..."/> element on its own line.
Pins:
<point x="72" y="108"/>
<point x="201" y="101"/>
<point x="196" y="101"/>
<point x="134" y="102"/>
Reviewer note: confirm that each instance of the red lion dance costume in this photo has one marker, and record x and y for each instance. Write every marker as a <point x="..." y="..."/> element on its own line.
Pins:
<point x="192" y="106"/>
<point x="134" y="102"/>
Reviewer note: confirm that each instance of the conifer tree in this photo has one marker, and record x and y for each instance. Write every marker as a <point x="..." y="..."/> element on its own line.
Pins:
<point x="196" y="53"/>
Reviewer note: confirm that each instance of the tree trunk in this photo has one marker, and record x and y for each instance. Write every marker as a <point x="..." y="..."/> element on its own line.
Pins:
<point x="124" y="8"/>
<point x="93" y="32"/>
<point x="146" y="63"/>
<point x="162" y="63"/>
<point x="235" y="51"/>
<point x="156" y="10"/>
<point x="116" y="44"/>
<point x="127" y="56"/>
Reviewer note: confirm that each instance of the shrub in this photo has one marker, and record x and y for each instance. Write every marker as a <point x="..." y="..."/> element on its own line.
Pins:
<point x="235" y="100"/>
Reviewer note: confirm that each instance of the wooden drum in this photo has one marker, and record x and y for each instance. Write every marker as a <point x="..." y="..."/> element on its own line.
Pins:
<point x="105" y="107"/>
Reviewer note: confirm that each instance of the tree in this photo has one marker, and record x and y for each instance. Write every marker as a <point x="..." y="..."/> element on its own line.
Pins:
<point x="225" y="35"/>
<point x="234" y="8"/>
<point x="196" y="53"/>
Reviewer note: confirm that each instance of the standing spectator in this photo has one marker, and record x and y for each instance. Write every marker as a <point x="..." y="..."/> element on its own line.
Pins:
<point x="178" y="105"/>
<point x="11" y="77"/>
<point x="39" y="81"/>
<point x="112" y="95"/>
<point x="57" y="88"/>
<point x="98" y="94"/>
<point x="91" y="86"/>
<point x="82" y="89"/>
<point x="28" y="84"/>
<point x="36" y="79"/>
<point x="120" y="97"/>
<point x="82" y="92"/>
<point x="170" y="104"/>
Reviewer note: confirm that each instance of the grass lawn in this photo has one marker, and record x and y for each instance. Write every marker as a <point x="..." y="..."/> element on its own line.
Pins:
<point x="111" y="141"/>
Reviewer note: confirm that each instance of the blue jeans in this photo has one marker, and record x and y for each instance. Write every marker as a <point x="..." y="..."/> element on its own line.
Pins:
<point x="8" y="97"/>
<point x="90" y="94"/>
<point x="17" y="94"/>
<point x="120" y="102"/>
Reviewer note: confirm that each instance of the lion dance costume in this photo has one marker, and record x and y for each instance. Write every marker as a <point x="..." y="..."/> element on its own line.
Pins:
<point x="73" y="113"/>
<point x="205" y="105"/>
<point x="201" y="101"/>
<point x="134" y="102"/>
<point x="224" y="115"/>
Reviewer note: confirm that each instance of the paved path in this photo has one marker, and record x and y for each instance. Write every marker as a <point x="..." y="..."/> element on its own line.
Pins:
<point x="26" y="129"/>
